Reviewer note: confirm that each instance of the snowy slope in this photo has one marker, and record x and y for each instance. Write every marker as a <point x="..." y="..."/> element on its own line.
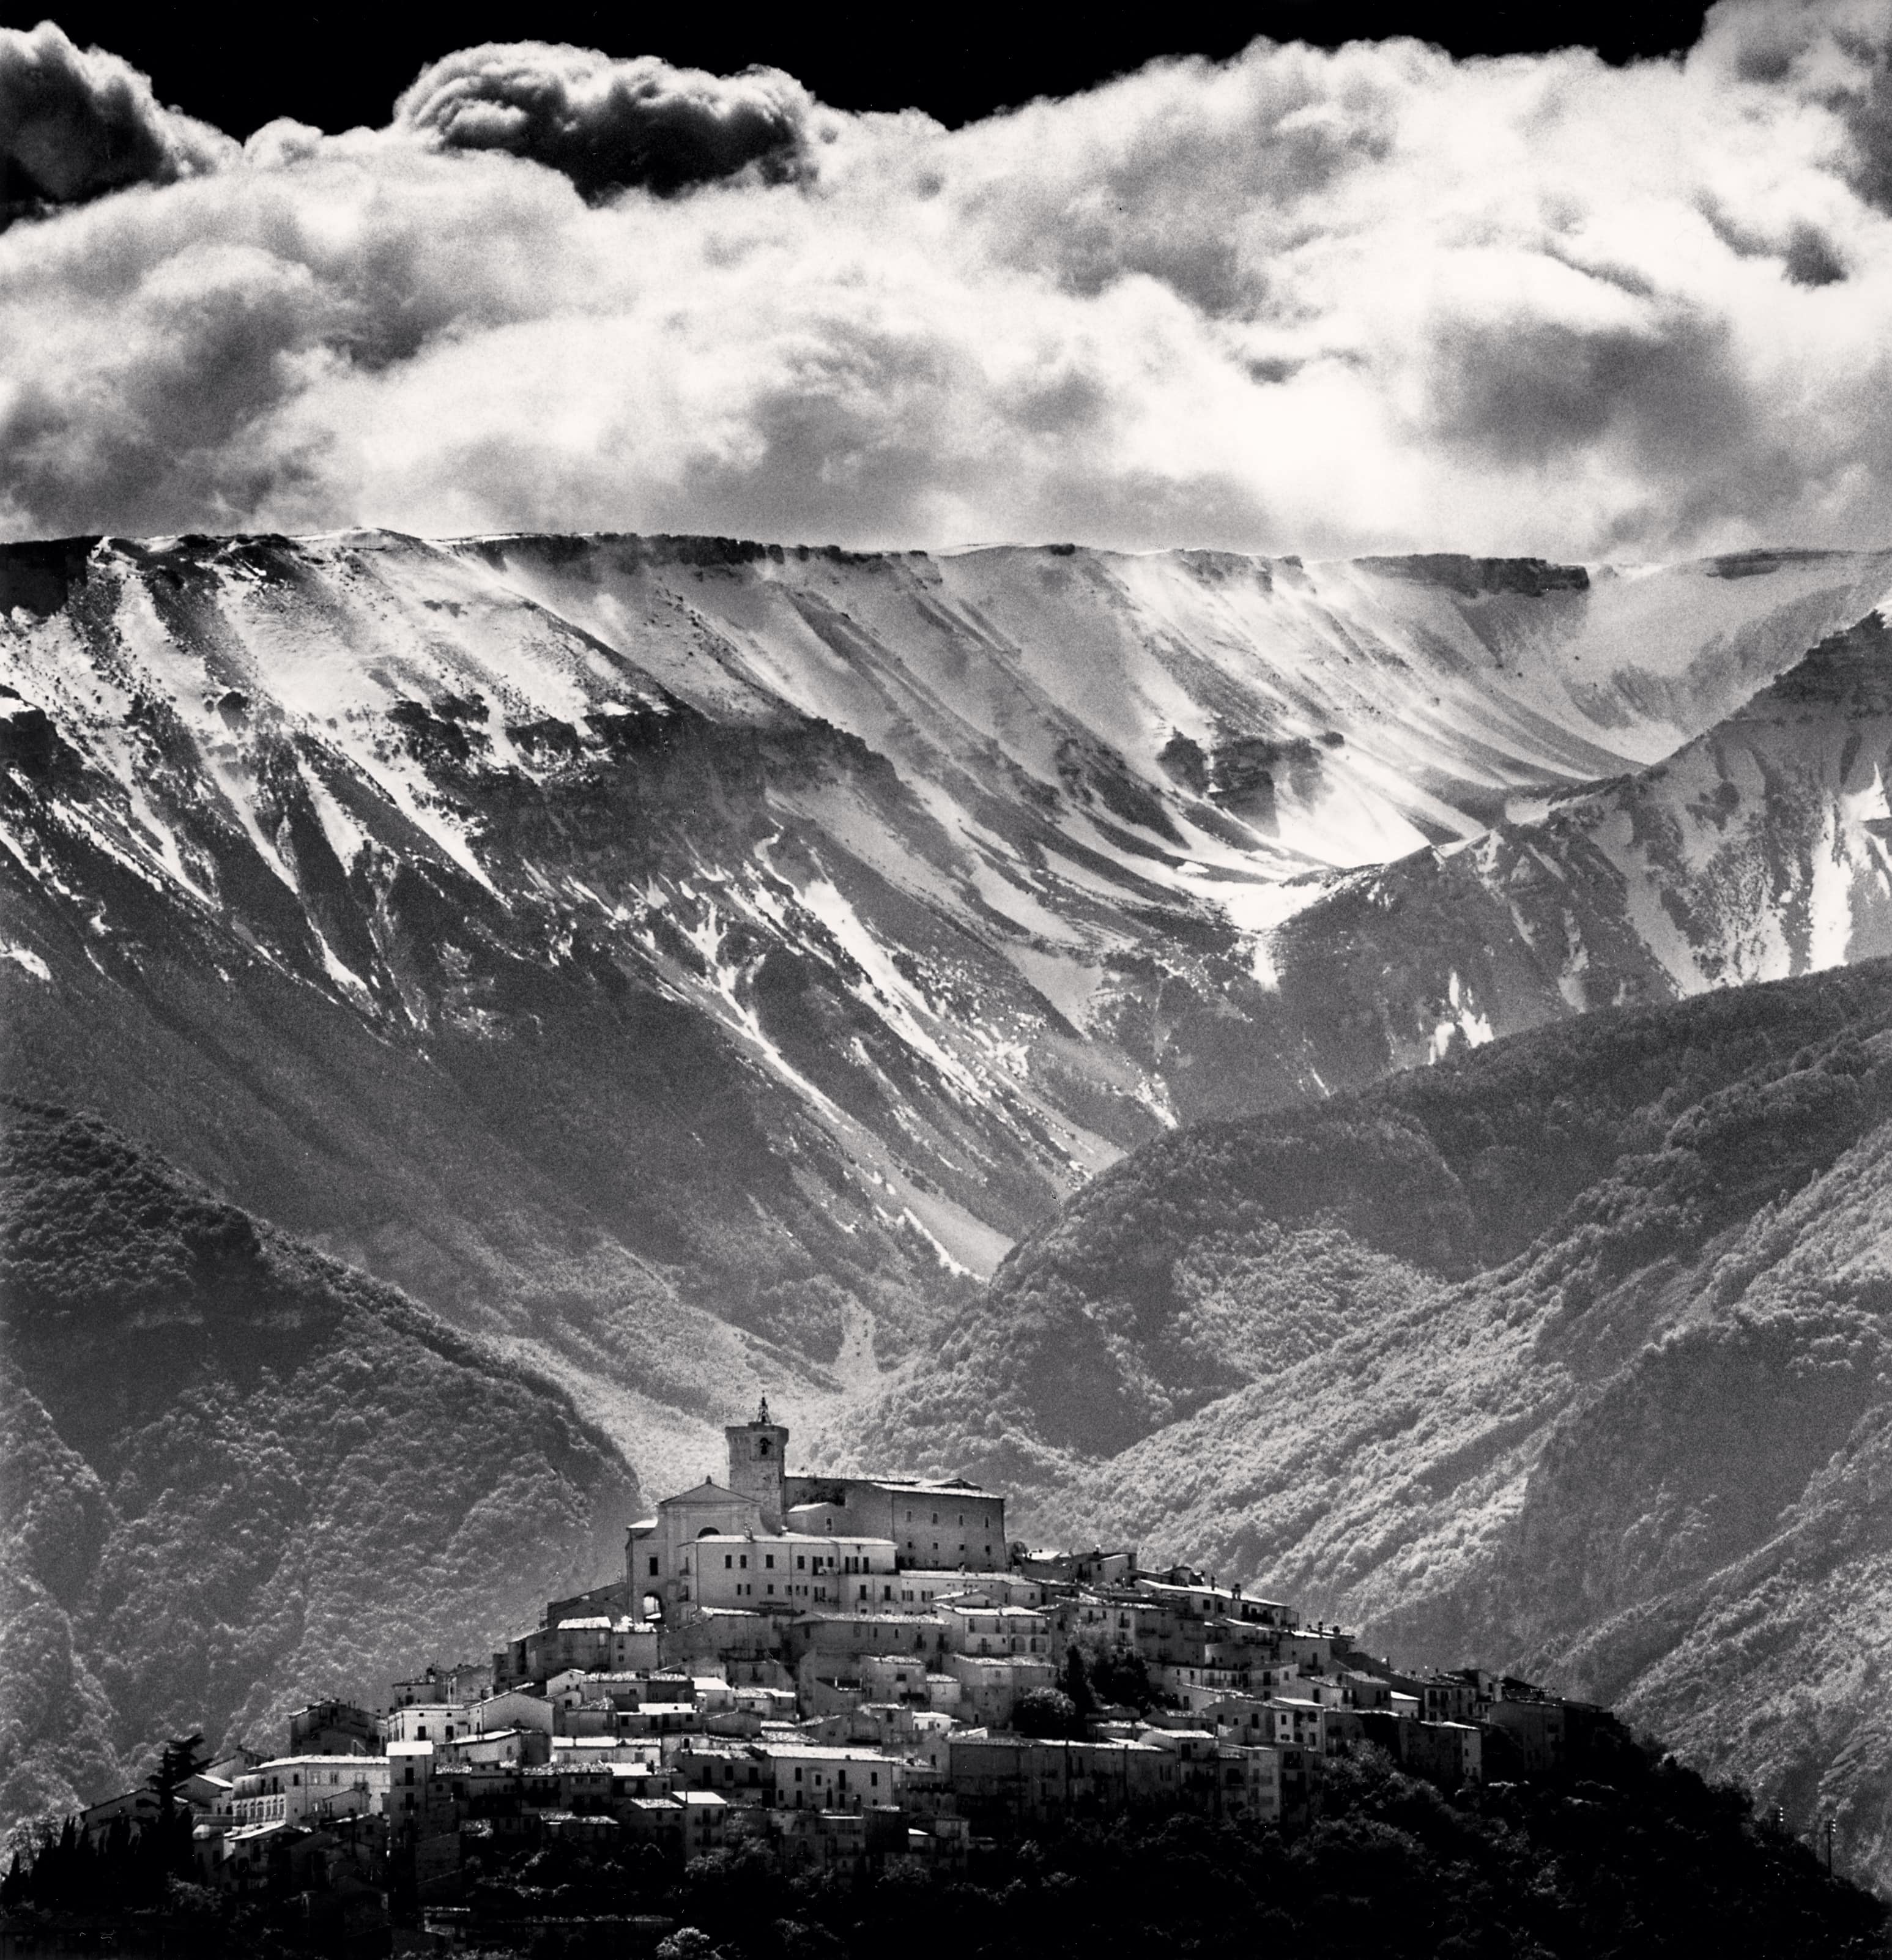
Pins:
<point x="603" y="935"/>
<point x="1759" y="850"/>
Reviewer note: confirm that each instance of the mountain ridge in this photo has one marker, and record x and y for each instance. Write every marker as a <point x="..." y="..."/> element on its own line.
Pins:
<point x="644" y="949"/>
<point x="692" y="965"/>
<point x="1756" y="851"/>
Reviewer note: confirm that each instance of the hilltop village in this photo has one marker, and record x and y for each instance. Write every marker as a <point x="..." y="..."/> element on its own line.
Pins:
<point x="849" y="1670"/>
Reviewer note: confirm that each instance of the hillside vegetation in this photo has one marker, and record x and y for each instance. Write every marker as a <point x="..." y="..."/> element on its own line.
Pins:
<point x="1642" y="1860"/>
<point x="1221" y="1254"/>
<point x="236" y="1474"/>
<point x="1573" y="1354"/>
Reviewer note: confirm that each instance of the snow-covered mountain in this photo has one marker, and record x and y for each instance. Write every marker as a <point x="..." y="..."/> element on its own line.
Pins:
<point x="701" y="960"/>
<point x="1761" y="850"/>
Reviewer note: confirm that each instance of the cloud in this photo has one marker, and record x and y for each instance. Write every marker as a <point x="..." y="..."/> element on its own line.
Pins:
<point x="1366" y="300"/>
<point x="1832" y="52"/>
<point x="74" y="126"/>
<point x="611" y="125"/>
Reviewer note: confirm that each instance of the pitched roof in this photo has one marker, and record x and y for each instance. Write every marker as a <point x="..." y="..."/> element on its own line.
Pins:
<point x="709" y="1491"/>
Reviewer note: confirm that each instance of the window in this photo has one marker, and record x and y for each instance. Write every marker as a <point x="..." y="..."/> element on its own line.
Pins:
<point x="768" y="1559"/>
<point x="801" y="1564"/>
<point x="653" y="1568"/>
<point x="728" y="1561"/>
<point x="745" y="1561"/>
<point x="762" y="1445"/>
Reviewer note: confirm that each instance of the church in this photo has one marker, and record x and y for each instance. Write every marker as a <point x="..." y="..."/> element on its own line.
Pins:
<point x="768" y="1542"/>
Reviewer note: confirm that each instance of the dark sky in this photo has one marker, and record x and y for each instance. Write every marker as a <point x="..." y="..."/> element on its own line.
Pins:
<point x="339" y="65"/>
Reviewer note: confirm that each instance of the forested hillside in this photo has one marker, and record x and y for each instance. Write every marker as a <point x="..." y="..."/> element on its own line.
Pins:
<point x="1218" y="1254"/>
<point x="236" y="1474"/>
<point x="1571" y="1355"/>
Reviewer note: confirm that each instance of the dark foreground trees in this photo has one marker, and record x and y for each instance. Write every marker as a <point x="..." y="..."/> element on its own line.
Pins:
<point x="1639" y="1861"/>
<point x="1642" y="1861"/>
<point x="131" y="1869"/>
<point x="1651" y="1861"/>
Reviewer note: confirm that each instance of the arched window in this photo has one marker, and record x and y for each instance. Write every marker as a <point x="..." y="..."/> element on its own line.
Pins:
<point x="764" y="1445"/>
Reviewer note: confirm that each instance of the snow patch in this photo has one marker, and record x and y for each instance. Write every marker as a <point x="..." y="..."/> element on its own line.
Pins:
<point x="900" y="1004"/>
<point x="1576" y="963"/>
<point x="344" y="976"/>
<point x="346" y="837"/>
<point x="945" y="1257"/>
<point x="1465" y="1022"/>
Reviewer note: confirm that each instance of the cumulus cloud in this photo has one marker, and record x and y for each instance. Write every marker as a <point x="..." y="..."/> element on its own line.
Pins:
<point x="74" y="126"/>
<point x="1371" y="299"/>
<point x="608" y="125"/>
<point x="1833" y="52"/>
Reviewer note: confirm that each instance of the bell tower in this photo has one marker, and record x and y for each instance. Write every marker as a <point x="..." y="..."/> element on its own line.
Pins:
<point x="759" y="1452"/>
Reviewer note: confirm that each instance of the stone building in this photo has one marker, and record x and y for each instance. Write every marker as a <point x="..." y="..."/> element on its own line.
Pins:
<point x="860" y="1530"/>
<point x="934" y="1524"/>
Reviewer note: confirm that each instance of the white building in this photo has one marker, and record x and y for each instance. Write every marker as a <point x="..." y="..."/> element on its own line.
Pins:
<point x="817" y="1524"/>
<point x="995" y="1630"/>
<point x="990" y="1685"/>
<point x="793" y="1571"/>
<point x="809" y="1776"/>
<point x="297" y="1790"/>
<point x="934" y="1525"/>
<point x="1262" y="1785"/>
<point x="916" y="1590"/>
<point x="588" y="1751"/>
<point x="1202" y="1599"/>
<point x="738" y="1770"/>
<point x="465" y="1681"/>
<point x="428" y="1722"/>
<point x="515" y="1709"/>
<point x="1298" y="1724"/>
<point x="504" y="1748"/>
<point x="410" y="1780"/>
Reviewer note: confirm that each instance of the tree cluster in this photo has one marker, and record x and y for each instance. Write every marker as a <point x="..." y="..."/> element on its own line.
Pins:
<point x="134" y="1866"/>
